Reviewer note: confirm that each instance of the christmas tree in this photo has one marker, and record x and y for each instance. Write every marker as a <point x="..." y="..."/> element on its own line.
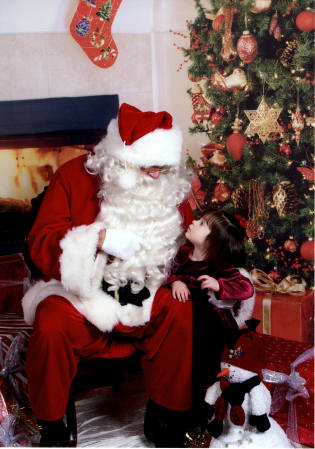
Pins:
<point x="251" y="62"/>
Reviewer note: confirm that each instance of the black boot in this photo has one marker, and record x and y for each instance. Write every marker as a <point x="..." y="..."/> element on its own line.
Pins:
<point x="164" y="427"/>
<point x="53" y="433"/>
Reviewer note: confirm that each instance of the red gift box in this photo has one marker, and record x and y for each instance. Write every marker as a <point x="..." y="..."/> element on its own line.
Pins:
<point x="279" y="355"/>
<point x="286" y="316"/>
<point x="14" y="280"/>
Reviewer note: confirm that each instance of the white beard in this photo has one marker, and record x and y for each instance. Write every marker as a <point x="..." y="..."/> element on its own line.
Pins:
<point x="148" y="209"/>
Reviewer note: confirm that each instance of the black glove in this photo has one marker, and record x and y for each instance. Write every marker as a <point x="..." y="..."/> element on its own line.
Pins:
<point x="215" y="428"/>
<point x="261" y="422"/>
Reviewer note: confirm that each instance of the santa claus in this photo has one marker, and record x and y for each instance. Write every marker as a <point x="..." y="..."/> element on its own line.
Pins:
<point x="106" y="233"/>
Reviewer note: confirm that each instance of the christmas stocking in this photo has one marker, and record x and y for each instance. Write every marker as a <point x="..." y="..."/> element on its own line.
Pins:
<point x="91" y="28"/>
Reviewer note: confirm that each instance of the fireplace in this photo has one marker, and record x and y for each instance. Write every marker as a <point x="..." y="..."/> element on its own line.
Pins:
<point x="36" y="137"/>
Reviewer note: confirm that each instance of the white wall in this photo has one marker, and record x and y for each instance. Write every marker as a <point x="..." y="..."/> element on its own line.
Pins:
<point x="54" y="16"/>
<point x="172" y="82"/>
<point x="40" y="58"/>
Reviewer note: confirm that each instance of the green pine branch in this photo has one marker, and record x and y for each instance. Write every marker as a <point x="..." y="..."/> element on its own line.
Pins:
<point x="285" y="78"/>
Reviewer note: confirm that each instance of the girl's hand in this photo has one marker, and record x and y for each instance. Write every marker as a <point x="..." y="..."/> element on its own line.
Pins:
<point x="180" y="291"/>
<point x="209" y="282"/>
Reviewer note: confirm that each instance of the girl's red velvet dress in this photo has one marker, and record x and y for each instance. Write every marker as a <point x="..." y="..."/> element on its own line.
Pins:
<point x="213" y="327"/>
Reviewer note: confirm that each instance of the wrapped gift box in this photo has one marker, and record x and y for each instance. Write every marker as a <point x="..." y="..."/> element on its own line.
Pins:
<point x="279" y="355"/>
<point x="14" y="280"/>
<point x="286" y="316"/>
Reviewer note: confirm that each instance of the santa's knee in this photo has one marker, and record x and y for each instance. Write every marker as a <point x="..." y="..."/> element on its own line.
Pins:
<point x="52" y="320"/>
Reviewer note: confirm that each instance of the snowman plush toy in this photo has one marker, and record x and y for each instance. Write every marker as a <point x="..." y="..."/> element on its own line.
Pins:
<point x="240" y="402"/>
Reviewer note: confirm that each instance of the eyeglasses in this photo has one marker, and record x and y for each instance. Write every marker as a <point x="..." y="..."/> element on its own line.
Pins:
<point x="156" y="168"/>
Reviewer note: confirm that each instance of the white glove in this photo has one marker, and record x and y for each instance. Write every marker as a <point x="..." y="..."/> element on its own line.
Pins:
<point x="122" y="243"/>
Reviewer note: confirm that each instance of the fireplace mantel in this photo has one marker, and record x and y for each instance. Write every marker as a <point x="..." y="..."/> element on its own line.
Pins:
<point x="50" y="122"/>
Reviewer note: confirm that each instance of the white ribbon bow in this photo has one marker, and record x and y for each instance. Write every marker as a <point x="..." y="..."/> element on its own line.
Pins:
<point x="288" y="388"/>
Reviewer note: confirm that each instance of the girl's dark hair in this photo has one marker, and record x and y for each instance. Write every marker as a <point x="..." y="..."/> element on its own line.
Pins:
<point x="225" y="245"/>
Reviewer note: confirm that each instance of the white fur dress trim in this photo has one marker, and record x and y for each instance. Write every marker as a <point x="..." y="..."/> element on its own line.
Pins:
<point x="246" y="307"/>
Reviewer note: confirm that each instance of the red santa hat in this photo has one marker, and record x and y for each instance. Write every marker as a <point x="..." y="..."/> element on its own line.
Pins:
<point x="143" y="139"/>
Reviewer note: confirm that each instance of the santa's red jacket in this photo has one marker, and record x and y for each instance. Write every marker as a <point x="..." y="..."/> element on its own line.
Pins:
<point x="63" y="244"/>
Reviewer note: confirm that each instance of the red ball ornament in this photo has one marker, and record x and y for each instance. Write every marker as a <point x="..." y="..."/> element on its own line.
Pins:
<point x="222" y="192"/>
<point x="275" y="275"/>
<point x="236" y="141"/>
<point x="235" y="144"/>
<point x="216" y="118"/>
<point x="285" y="149"/>
<point x="305" y="21"/>
<point x="307" y="250"/>
<point x="247" y="47"/>
<point x="290" y="245"/>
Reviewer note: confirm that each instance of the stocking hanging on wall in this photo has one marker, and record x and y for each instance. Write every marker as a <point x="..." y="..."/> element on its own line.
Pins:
<point x="91" y="28"/>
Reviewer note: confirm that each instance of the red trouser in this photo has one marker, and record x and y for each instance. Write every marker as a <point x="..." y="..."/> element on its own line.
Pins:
<point x="62" y="335"/>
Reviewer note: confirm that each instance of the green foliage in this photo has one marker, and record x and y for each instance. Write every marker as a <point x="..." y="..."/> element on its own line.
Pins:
<point x="282" y="73"/>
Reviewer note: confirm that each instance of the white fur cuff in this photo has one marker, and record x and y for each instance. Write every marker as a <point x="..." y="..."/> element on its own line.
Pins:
<point x="80" y="268"/>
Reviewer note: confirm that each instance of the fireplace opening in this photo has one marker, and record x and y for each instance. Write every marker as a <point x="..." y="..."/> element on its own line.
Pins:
<point x="36" y="138"/>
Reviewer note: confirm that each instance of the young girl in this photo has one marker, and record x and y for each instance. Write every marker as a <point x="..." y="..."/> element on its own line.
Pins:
<point x="208" y="270"/>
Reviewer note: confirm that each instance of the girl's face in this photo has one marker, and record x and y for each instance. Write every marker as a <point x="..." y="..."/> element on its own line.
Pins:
<point x="198" y="232"/>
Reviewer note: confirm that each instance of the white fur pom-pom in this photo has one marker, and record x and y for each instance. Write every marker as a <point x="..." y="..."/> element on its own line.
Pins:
<point x="127" y="180"/>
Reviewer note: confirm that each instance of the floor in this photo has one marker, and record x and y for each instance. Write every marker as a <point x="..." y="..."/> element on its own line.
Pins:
<point x="113" y="419"/>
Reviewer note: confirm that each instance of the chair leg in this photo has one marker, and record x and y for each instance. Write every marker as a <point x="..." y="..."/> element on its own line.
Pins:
<point x="71" y="422"/>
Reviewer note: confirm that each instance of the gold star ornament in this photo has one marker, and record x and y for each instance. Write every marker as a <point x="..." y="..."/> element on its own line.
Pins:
<point x="263" y="121"/>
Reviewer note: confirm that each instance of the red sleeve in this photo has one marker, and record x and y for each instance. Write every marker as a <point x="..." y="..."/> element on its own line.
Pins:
<point x="70" y="201"/>
<point x="186" y="213"/>
<point x="52" y="222"/>
<point x="234" y="286"/>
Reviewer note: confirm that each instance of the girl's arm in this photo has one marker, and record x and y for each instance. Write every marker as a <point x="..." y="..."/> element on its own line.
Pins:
<point x="230" y="285"/>
<point x="234" y="285"/>
<point x="180" y="291"/>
